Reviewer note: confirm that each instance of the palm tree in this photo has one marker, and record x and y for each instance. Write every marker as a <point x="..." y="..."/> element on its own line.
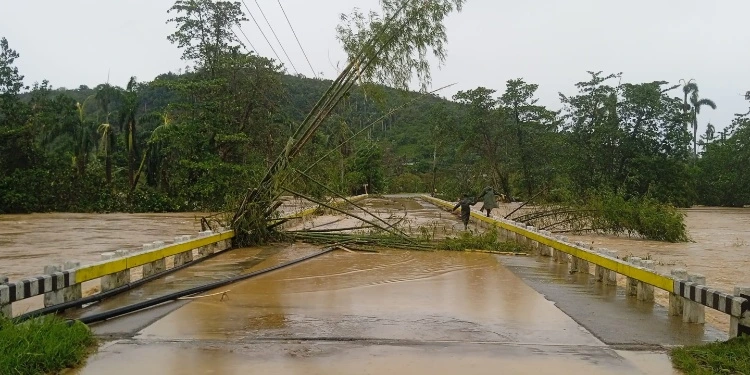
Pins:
<point x="687" y="88"/>
<point x="106" y="143"/>
<point x="128" y="120"/>
<point x="697" y="103"/>
<point x="710" y="132"/>
<point x="83" y="140"/>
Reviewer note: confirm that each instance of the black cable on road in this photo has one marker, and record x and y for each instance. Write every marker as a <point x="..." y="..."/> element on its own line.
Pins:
<point x="110" y="293"/>
<point x="191" y="291"/>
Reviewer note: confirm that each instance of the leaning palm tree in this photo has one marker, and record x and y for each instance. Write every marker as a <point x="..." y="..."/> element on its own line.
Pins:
<point x="697" y="103"/>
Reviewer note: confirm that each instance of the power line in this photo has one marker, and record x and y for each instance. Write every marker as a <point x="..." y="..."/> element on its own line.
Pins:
<point x="246" y="38"/>
<point x="277" y="38"/>
<point x="261" y="30"/>
<point x="295" y="37"/>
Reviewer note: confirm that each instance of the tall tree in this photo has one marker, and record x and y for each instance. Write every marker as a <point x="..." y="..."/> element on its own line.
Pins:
<point x="697" y="103"/>
<point x="129" y="127"/>
<point x="532" y="126"/>
<point x="204" y="30"/>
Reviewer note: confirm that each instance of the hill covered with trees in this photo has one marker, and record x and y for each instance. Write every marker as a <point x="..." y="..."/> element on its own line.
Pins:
<point x="199" y="139"/>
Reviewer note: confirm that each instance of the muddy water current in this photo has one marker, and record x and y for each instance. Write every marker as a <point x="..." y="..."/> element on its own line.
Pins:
<point x="29" y="242"/>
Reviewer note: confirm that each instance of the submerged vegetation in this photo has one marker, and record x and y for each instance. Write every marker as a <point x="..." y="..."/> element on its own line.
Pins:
<point x="612" y="214"/>
<point x="42" y="346"/>
<point x="731" y="357"/>
<point x="484" y="241"/>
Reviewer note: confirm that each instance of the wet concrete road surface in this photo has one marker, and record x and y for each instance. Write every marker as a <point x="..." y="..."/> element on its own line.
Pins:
<point x="393" y="312"/>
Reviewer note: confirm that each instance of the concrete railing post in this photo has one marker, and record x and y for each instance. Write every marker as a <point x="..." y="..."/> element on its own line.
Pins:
<point x="578" y="265"/>
<point x="599" y="271"/>
<point x="676" y="302"/>
<point x="70" y="293"/>
<point x="185" y="257"/>
<point x="632" y="284"/>
<point x="740" y="325"/>
<point x="6" y="309"/>
<point x="694" y="312"/>
<point x="611" y="274"/>
<point x="532" y="245"/>
<point x="562" y="257"/>
<point x="545" y="250"/>
<point x="117" y="279"/>
<point x="645" y="292"/>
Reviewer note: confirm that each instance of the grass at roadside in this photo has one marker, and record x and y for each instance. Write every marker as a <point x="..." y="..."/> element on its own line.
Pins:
<point x="731" y="358"/>
<point x="42" y="346"/>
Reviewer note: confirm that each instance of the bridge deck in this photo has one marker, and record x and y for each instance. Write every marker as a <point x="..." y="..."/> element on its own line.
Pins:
<point x="392" y="312"/>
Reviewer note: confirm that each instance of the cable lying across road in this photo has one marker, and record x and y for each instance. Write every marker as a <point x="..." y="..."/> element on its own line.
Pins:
<point x="54" y="309"/>
<point x="195" y="290"/>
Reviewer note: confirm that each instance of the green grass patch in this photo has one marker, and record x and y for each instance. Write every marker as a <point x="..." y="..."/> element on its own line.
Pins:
<point x="483" y="241"/>
<point x="45" y="345"/>
<point x="731" y="357"/>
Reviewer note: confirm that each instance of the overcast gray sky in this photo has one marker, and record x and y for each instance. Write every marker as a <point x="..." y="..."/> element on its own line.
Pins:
<point x="549" y="42"/>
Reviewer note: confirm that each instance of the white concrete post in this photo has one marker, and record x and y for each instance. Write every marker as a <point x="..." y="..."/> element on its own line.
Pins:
<point x="533" y="245"/>
<point x="563" y="256"/>
<point x="62" y="295"/>
<point x="599" y="271"/>
<point x="645" y="292"/>
<point x="611" y="274"/>
<point x="632" y="284"/>
<point x="545" y="250"/>
<point x="578" y="265"/>
<point x="676" y="302"/>
<point x="6" y="310"/>
<point x="117" y="279"/>
<point x="694" y="312"/>
<point x="735" y="322"/>
<point x="184" y="258"/>
<point x="584" y="265"/>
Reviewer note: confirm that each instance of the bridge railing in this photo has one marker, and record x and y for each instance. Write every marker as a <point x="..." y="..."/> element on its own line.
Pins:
<point x="688" y="294"/>
<point x="63" y="283"/>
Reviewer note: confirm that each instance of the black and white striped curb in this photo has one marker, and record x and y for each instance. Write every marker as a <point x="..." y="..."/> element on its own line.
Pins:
<point x="733" y="305"/>
<point x="12" y="292"/>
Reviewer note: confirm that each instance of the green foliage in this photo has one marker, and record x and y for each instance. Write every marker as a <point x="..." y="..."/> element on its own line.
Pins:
<point x="399" y="39"/>
<point x="730" y="357"/>
<point x="720" y="180"/>
<point x="636" y="216"/>
<point x="484" y="241"/>
<point x="406" y="183"/>
<point x="42" y="346"/>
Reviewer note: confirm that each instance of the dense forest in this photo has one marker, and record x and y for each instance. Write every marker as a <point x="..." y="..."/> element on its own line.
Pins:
<point x="199" y="139"/>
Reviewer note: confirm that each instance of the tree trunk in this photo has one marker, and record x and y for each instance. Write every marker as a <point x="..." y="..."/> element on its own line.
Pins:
<point x="108" y="166"/>
<point x="434" y="169"/>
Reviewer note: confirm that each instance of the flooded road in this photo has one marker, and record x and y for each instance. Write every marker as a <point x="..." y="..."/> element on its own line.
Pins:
<point x="393" y="312"/>
<point x="720" y="250"/>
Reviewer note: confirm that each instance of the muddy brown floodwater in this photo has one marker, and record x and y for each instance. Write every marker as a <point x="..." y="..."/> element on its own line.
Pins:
<point x="720" y="250"/>
<point x="394" y="312"/>
<point x="29" y="242"/>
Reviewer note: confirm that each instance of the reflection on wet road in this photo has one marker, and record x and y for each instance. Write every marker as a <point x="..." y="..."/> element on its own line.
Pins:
<point x="390" y="312"/>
